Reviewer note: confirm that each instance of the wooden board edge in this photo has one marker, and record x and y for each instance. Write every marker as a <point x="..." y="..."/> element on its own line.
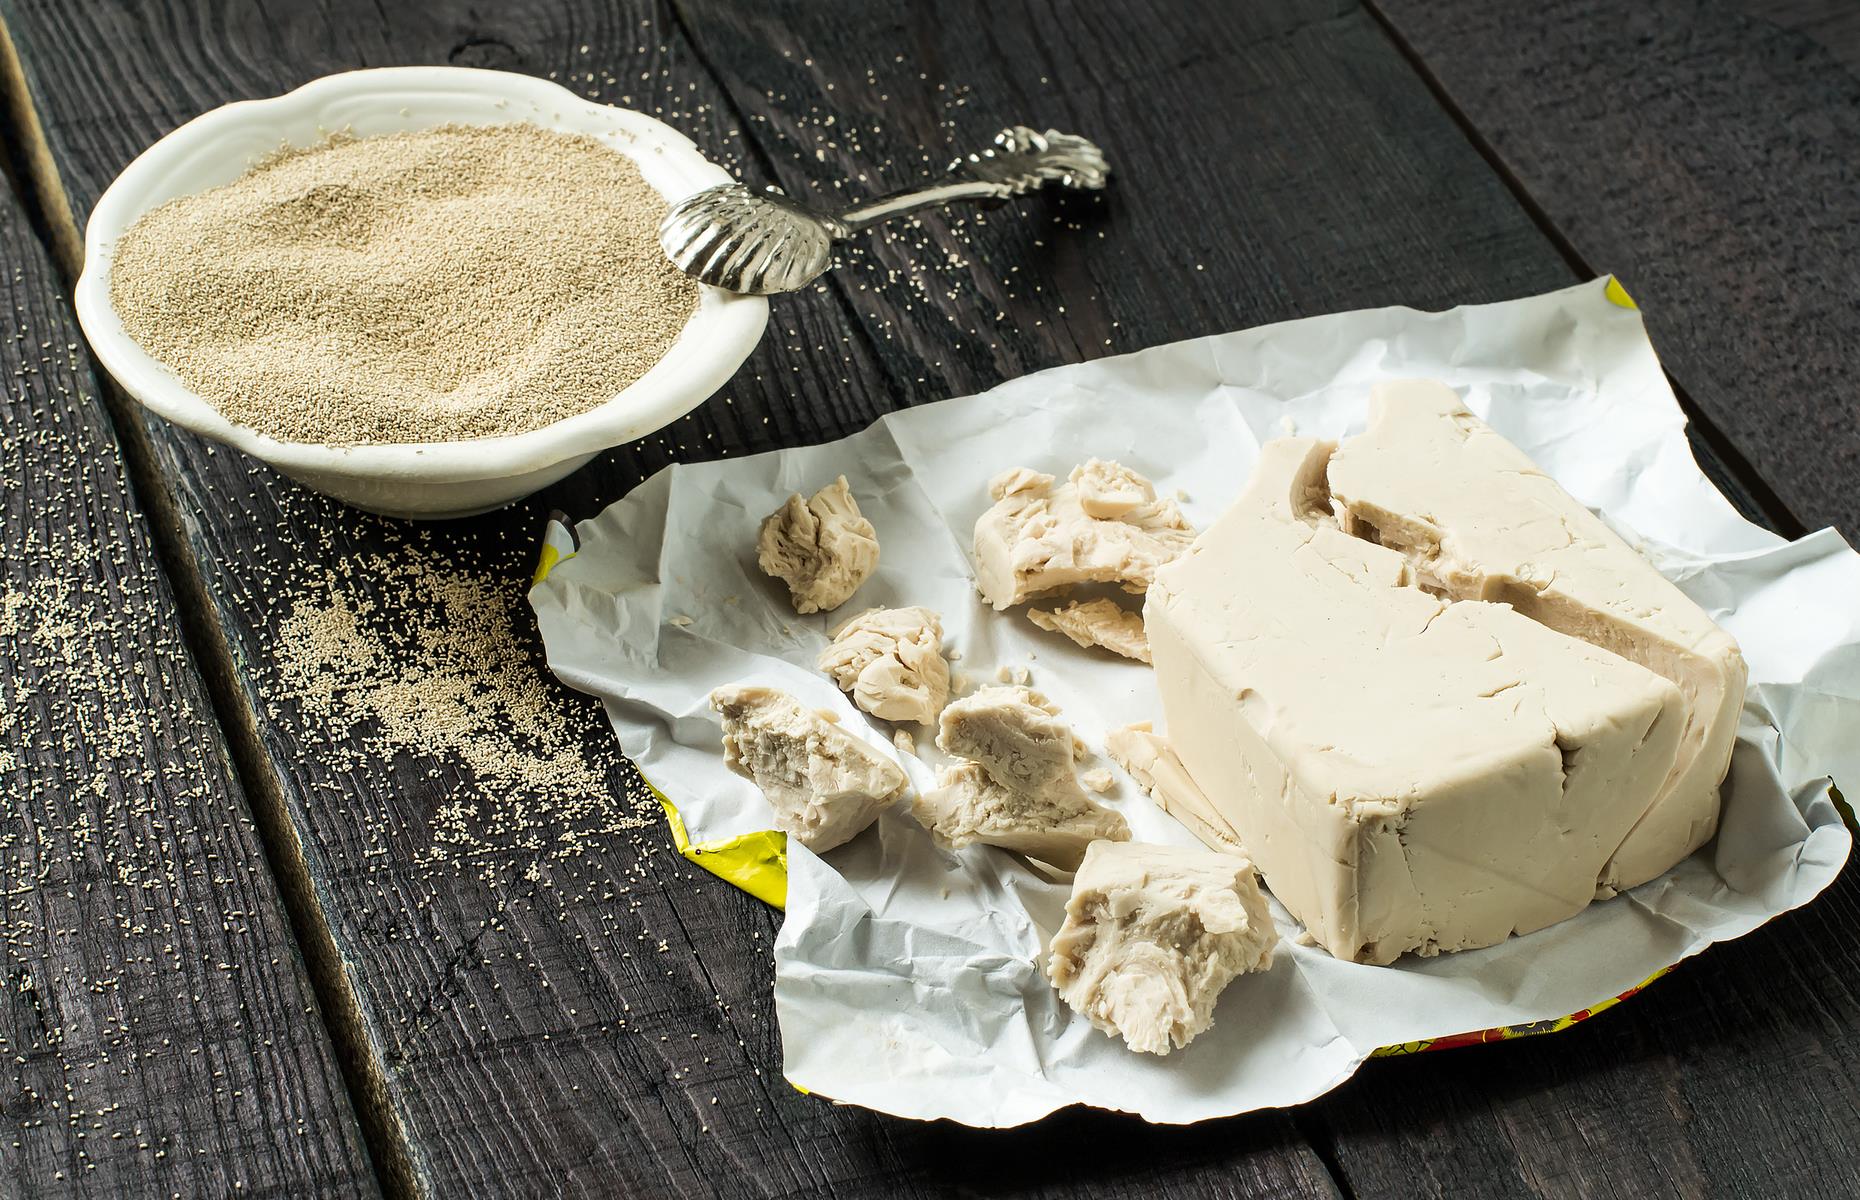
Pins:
<point x="1721" y="460"/>
<point x="364" y="1074"/>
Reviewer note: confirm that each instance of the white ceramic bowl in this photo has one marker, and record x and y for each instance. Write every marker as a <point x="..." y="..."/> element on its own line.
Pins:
<point x="435" y="479"/>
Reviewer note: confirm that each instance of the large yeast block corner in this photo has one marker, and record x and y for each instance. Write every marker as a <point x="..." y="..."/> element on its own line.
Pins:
<point x="1413" y="764"/>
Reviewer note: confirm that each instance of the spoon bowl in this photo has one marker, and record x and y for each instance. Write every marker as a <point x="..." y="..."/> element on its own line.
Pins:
<point x="762" y="243"/>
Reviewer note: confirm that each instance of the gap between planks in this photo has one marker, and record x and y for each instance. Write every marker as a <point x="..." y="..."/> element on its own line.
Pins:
<point x="43" y="194"/>
<point x="1774" y="512"/>
<point x="1323" y="1142"/>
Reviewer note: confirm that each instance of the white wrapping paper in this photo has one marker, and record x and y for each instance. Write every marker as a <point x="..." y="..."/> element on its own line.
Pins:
<point x="908" y="978"/>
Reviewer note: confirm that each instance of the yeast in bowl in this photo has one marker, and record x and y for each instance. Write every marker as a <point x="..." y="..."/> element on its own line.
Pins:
<point x="430" y="478"/>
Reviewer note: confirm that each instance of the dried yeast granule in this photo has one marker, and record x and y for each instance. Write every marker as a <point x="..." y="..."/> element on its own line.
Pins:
<point x="406" y="656"/>
<point x="457" y="282"/>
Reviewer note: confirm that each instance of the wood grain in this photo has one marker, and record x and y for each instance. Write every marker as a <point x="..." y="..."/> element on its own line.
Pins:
<point x="584" y="1022"/>
<point x="1733" y="1077"/>
<point x="1704" y="153"/>
<point x="1270" y="161"/>
<point x="1273" y="161"/>
<point x="157" y="1031"/>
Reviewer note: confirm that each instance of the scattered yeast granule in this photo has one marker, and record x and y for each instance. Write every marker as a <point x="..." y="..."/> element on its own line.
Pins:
<point x="407" y="655"/>
<point x="458" y="282"/>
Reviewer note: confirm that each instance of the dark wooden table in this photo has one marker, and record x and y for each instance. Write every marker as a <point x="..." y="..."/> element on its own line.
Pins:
<point x="231" y="966"/>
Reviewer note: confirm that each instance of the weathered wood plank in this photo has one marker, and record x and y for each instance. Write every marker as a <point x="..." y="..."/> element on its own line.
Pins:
<point x="588" y="1017"/>
<point x="1357" y="191"/>
<point x="1834" y="25"/>
<point x="1272" y="161"/>
<point x="1706" y="154"/>
<point x="1733" y="1077"/>
<point x="158" y="1034"/>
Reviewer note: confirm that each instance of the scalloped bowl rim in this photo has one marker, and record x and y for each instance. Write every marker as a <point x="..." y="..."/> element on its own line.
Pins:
<point x="721" y="333"/>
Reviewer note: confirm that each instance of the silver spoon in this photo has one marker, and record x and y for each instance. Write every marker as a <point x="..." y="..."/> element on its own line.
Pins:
<point x="763" y="242"/>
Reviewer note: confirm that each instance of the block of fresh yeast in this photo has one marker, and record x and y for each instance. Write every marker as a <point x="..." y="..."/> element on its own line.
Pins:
<point x="1408" y="770"/>
<point x="1476" y="519"/>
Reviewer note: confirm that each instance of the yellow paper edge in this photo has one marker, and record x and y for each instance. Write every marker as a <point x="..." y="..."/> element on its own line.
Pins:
<point x="755" y="862"/>
<point x="545" y="563"/>
<point x="558" y="546"/>
<point x="1505" y="1033"/>
<point x="1619" y="295"/>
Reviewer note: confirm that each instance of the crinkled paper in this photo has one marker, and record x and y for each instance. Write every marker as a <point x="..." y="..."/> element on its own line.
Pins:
<point x="909" y="979"/>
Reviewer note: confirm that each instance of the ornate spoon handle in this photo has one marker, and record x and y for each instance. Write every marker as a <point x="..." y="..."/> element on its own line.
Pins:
<point x="1020" y="160"/>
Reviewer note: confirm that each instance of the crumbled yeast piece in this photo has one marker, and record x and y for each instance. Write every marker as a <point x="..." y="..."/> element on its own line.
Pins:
<point x="1054" y="826"/>
<point x="824" y="784"/>
<point x="822" y="548"/>
<point x="1015" y="733"/>
<point x="1098" y="623"/>
<point x="1109" y="490"/>
<point x="1038" y="538"/>
<point x="1147" y="759"/>
<point x="1153" y="934"/>
<point x="902" y="739"/>
<point x="1095" y="780"/>
<point x="1018" y="789"/>
<point x="891" y="661"/>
